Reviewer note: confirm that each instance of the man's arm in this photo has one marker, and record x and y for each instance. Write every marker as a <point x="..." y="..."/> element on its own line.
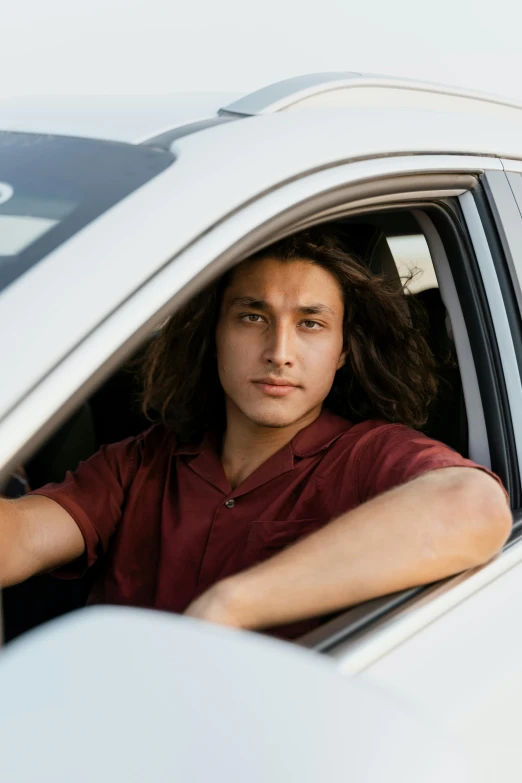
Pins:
<point x="441" y="523"/>
<point x="36" y="535"/>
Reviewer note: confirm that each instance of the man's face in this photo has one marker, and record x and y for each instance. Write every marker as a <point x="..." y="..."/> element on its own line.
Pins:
<point x="279" y="341"/>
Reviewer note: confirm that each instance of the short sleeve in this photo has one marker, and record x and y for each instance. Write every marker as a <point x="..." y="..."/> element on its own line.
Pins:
<point x="393" y="454"/>
<point x="94" y="494"/>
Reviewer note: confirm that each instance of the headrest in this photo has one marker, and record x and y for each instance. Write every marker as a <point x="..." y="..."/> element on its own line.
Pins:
<point x="370" y="244"/>
<point x="438" y="319"/>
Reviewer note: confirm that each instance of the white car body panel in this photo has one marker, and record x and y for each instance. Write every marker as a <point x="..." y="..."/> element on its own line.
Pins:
<point x="125" y="694"/>
<point x="466" y="671"/>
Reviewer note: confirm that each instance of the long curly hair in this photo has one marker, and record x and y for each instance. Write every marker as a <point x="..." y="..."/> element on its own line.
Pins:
<point x="390" y="371"/>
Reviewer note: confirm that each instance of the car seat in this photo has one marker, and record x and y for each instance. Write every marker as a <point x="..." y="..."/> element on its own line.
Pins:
<point x="74" y="441"/>
<point x="115" y="406"/>
<point x="447" y="421"/>
<point x="369" y="243"/>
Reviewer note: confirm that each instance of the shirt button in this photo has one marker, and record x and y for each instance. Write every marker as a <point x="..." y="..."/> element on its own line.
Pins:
<point x="230" y="503"/>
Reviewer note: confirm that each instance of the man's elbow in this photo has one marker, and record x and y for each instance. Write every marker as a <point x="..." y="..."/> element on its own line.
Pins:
<point x="489" y="515"/>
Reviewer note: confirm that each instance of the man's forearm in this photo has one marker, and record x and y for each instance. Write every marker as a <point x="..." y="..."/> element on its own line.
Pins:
<point x="9" y="543"/>
<point x="437" y="525"/>
<point x="36" y="535"/>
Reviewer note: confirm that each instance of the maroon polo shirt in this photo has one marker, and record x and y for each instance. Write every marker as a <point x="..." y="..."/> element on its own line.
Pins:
<point x="168" y="525"/>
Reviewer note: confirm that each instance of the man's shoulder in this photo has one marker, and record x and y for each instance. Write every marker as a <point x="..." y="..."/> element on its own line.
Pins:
<point x="368" y="442"/>
<point x="362" y="434"/>
<point x="331" y="433"/>
<point x="157" y="438"/>
<point x="376" y="455"/>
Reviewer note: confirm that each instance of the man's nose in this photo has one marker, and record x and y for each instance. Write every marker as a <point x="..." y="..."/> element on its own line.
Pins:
<point x="280" y="346"/>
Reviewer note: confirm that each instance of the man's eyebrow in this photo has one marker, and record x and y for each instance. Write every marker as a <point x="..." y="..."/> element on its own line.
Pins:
<point x="314" y="308"/>
<point x="250" y="301"/>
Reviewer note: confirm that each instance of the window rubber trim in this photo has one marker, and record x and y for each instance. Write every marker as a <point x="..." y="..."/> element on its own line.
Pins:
<point x="484" y="346"/>
<point x="498" y="245"/>
<point x="501" y="411"/>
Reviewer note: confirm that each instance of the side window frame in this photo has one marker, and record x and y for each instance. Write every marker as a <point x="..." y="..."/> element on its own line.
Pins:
<point x="475" y="276"/>
<point x="501" y="220"/>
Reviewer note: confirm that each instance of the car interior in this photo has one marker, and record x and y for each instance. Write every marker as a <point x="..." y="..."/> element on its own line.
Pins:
<point x="390" y="243"/>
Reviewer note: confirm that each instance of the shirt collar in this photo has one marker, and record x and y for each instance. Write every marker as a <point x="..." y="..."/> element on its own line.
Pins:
<point x="191" y="449"/>
<point x="318" y="436"/>
<point x="311" y="440"/>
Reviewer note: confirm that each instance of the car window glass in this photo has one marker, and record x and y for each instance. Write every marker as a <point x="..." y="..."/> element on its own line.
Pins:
<point x="52" y="186"/>
<point x="412" y="255"/>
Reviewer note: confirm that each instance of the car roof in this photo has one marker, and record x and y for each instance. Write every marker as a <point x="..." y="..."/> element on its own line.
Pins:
<point x="139" y="118"/>
<point x="124" y="118"/>
<point x="345" y="89"/>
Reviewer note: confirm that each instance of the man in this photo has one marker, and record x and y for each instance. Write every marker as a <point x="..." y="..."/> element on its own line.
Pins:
<point x="283" y="482"/>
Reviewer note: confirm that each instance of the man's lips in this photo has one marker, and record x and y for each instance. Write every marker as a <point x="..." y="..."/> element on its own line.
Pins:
<point x="275" y="387"/>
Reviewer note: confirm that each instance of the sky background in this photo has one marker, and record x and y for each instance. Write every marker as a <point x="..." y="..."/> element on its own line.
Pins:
<point x="155" y="46"/>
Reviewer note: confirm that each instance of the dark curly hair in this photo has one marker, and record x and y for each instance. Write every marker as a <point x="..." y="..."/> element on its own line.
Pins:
<point x="389" y="371"/>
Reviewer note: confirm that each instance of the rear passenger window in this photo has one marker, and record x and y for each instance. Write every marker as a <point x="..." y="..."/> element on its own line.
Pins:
<point x="412" y="256"/>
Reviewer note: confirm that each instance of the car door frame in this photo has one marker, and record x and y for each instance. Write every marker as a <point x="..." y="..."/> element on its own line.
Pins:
<point x="321" y="195"/>
<point x="84" y="366"/>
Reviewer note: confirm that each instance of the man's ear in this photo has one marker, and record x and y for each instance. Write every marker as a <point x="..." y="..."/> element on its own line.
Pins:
<point x="342" y="360"/>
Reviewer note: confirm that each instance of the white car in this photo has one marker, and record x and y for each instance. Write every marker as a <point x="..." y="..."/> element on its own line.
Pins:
<point x="111" y="215"/>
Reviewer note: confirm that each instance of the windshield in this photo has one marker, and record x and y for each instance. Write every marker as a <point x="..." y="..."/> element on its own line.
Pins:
<point x="52" y="186"/>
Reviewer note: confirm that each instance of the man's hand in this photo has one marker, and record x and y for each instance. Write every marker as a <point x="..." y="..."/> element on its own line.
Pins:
<point x="216" y="606"/>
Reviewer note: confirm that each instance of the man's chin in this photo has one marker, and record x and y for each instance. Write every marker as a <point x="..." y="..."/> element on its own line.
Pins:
<point x="273" y="419"/>
<point x="271" y="423"/>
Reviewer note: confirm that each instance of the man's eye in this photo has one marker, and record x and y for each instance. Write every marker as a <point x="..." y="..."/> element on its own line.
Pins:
<point x="252" y="318"/>
<point x="311" y="324"/>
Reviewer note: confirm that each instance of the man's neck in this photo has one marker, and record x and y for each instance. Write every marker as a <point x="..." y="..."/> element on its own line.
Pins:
<point x="247" y="445"/>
